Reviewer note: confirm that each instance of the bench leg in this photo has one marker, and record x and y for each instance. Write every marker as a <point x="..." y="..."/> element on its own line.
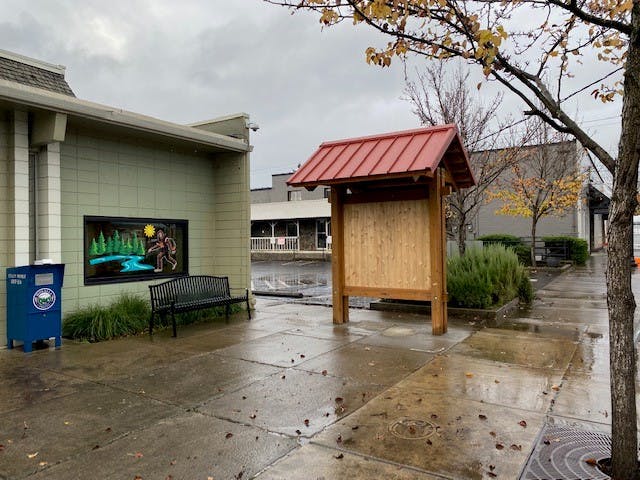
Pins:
<point x="173" y="323"/>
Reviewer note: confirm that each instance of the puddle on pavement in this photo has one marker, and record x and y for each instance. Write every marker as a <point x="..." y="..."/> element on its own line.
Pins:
<point x="398" y="332"/>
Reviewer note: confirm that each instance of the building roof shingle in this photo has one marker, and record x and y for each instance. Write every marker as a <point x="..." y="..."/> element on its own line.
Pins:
<point x="33" y="76"/>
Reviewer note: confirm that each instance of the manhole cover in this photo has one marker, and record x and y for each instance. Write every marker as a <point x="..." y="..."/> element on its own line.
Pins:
<point x="398" y="332"/>
<point x="562" y="452"/>
<point x="410" y="429"/>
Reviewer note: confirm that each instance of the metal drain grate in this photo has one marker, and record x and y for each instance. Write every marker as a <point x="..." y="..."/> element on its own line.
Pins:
<point x="411" y="429"/>
<point x="562" y="452"/>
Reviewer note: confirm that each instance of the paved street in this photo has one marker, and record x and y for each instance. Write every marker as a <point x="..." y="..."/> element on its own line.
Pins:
<point x="289" y="395"/>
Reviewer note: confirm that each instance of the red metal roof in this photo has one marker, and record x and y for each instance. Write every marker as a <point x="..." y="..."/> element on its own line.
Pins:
<point x="390" y="155"/>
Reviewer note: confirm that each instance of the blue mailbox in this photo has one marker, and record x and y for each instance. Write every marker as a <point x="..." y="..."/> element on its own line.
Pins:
<point x="34" y="304"/>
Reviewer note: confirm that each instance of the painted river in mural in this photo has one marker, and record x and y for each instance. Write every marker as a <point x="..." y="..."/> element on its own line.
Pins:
<point x="130" y="263"/>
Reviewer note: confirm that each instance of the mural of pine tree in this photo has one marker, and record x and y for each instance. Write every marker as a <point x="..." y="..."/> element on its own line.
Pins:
<point x="116" y="242"/>
<point x="109" y="249"/>
<point x="102" y="245"/>
<point x="93" y="249"/>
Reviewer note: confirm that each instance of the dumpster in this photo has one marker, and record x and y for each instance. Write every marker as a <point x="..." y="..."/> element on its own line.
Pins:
<point x="34" y="304"/>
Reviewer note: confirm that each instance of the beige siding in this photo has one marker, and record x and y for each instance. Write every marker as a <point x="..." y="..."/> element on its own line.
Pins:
<point x="232" y="222"/>
<point x="5" y="222"/>
<point x="111" y="177"/>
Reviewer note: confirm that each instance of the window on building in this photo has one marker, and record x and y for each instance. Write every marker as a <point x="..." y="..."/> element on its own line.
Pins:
<point x="292" y="229"/>
<point x="294" y="195"/>
<point x="327" y="192"/>
<point x="323" y="230"/>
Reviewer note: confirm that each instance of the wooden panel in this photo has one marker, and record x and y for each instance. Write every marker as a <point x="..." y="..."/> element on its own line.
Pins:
<point x="394" y="293"/>
<point x="386" y="244"/>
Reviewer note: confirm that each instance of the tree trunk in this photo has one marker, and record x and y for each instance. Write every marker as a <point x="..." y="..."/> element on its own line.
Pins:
<point x="462" y="234"/>
<point x="620" y="300"/>
<point x="534" y="223"/>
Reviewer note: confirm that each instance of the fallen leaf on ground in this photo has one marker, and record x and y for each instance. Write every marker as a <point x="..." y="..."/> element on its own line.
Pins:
<point x="499" y="446"/>
<point x="339" y="457"/>
<point x="555" y="387"/>
<point x="138" y="455"/>
<point x="32" y="455"/>
<point x="522" y="423"/>
<point x="283" y="377"/>
<point x="468" y="375"/>
<point x="95" y="447"/>
<point x="228" y="435"/>
<point x="324" y="372"/>
<point x="67" y="423"/>
<point x="137" y="477"/>
<point x="108" y="429"/>
<point x="168" y="477"/>
<point x="429" y="442"/>
<point x="497" y="381"/>
<point x="515" y="447"/>
<point x="493" y="434"/>
<point x="492" y="475"/>
<point x="339" y="399"/>
<point x="339" y="439"/>
<point x="433" y="416"/>
<point x="42" y="464"/>
<point x="302" y="355"/>
<point x="482" y="417"/>
<point x="252" y="416"/>
<point x="591" y="461"/>
<point x="306" y="422"/>
<point x="172" y="462"/>
<point x="298" y="432"/>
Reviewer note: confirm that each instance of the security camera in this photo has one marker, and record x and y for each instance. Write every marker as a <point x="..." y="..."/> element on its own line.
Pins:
<point x="253" y="126"/>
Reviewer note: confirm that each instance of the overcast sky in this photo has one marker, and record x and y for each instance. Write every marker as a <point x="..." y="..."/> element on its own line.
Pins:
<point x="195" y="60"/>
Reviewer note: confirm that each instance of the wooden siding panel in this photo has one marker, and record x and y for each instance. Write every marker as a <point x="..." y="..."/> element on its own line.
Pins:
<point x="386" y="245"/>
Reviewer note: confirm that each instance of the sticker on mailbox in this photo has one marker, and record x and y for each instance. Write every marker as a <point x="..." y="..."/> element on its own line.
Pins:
<point x="44" y="299"/>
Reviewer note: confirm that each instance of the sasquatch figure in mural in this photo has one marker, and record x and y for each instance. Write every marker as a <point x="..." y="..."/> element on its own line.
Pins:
<point x="166" y="248"/>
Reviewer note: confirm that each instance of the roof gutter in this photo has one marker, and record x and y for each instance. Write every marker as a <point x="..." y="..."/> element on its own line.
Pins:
<point x="42" y="99"/>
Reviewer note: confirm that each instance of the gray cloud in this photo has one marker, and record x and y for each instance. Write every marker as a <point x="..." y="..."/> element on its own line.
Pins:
<point x="203" y="59"/>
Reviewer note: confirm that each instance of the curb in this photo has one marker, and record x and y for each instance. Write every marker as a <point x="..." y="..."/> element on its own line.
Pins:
<point x="488" y="317"/>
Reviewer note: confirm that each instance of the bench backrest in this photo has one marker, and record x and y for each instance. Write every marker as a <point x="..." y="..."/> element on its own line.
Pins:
<point x="192" y="287"/>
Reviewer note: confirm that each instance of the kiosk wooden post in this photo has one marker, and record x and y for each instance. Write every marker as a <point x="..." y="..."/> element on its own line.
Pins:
<point x="387" y="214"/>
<point x="340" y="300"/>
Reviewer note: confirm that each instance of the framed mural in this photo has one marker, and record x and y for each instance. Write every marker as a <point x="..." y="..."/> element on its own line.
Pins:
<point x="123" y="249"/>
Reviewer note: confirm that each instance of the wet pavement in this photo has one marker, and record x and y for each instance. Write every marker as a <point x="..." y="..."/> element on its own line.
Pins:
<point x="289" y="395"/>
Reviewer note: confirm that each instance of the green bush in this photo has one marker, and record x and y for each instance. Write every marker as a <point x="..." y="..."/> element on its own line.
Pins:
<point x="522" y="250"/>
<point x="501" y="238"/>
<point x="487" y="277"/>
<point x="128" y="315"/>
<point x="578" y="248"/>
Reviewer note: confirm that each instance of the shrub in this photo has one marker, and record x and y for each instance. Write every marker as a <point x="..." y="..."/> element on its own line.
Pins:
<point x="522" y="250"/>
<point x="578" y="249"/>
<point x="487" y="277"/>
<point x="501" y="238"/>
<point x="128" y="315"/>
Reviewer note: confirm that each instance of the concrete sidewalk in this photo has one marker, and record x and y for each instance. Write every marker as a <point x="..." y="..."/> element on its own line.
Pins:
<point x="291" y="396"/>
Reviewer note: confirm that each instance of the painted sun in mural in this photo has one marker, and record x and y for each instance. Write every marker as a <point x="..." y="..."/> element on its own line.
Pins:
<point x="149" y="231"/>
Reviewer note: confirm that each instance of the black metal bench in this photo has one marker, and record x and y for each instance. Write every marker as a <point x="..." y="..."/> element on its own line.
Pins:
<point x="193" y="292"/>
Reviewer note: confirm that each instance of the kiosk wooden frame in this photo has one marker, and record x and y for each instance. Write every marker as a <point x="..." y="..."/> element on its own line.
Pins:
<point x="388" y="215"/>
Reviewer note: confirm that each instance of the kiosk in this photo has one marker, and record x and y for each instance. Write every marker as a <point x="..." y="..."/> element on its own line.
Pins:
<point x="388" y="214"/>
